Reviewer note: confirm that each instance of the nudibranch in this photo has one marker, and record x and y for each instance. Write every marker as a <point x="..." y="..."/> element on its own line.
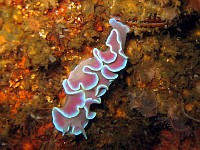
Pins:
<point x="89" y="81"/>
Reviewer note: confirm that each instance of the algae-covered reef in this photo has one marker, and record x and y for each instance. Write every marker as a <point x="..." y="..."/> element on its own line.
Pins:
<point x="155" y="99"/>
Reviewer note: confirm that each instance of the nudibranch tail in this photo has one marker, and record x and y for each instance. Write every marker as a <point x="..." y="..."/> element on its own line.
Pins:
<point x="122" y="30"/>
<point x="89" y="81"/>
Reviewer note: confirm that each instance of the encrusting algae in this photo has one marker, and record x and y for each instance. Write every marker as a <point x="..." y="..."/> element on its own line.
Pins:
<point x="155" y="98"/>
